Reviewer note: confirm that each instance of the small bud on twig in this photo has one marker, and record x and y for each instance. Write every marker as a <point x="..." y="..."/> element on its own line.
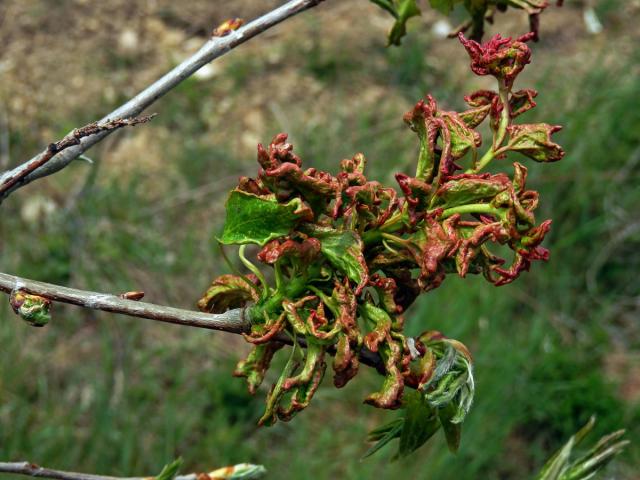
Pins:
<point x="135" y="295"/>
<point x="228" y="26"/>
<point x="31" y="308"/>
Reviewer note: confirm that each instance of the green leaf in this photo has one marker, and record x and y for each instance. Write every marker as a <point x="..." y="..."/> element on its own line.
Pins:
<point x="402" y="11"/>
<point x="470" y="190"/>
<point x="452" y="431"/>
<point x="258" y="219"/>
<point x="343" y="250"/>
<point x="420" y="424"/>
<point x="384" y="435"/>
<point x="406" y="9"/>
<point x="170" y="470"/>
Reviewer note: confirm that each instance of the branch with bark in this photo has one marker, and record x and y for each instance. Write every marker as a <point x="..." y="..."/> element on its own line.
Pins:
<point x="232" y="321"/>
<point x="215" y="47"/>
<point x="72" y="139"/>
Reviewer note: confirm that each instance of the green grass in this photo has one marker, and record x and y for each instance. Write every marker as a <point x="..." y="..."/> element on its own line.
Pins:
<point x="121" y="396"/>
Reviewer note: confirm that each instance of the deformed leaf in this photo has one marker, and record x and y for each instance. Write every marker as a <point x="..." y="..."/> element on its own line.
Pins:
<point x="260" y="218"/>
<point x="227" y="292"/>
<point x="471" y="190"/>
<point x="463" y="138"/>
<point x="344" y="250"/>
<point x="534" y="141"/>
<point x="255" y="366"/>
<point x="277" y="391"/>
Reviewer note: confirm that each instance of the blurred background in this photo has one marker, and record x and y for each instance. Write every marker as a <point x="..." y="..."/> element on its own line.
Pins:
<point x="114" y="395"/>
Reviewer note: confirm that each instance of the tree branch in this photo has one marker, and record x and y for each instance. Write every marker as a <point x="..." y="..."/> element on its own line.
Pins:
<point x="232" y="321"/>
<point x="212" y="49"/>
<point x="70" y="140"/>
<point x="33" y="470"/>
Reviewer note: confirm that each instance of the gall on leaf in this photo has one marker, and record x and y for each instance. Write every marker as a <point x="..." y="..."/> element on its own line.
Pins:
<point x="344" y="250"/>
<point x="229" y="291"/>
<point x="503" y="58"/>
<point x="255" y="366"/>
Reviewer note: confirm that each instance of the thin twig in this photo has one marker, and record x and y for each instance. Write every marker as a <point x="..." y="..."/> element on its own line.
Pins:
<point x="72" y="139"/>
<point x="33" y="470"/>
<point x="232" y="321"/>
<point x="212" y="49"/>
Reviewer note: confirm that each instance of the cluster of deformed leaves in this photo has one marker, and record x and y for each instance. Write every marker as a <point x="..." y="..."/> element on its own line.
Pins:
<point x="479" y="11"/>
<point x="349" y="255"/>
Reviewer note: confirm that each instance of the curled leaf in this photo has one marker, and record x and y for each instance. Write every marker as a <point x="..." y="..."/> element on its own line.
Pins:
<point x="503" y="58"/>
<point x="229" y="291"/>
<point x="534" y="141"/>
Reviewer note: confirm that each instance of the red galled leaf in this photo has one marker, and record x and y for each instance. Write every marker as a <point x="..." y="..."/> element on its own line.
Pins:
<point x="534" y="141"/>
<point x="229" y="291"/>
<point x="471" y="188"/>
<point x="306" y="250"/>
<point x="522" y="101"/>
<point x="462" y="137"/>
<point x="487" y="102"/>
<point x="266" y="332"/>
<point x="255" y="366"/>
<point x="503" y="58"/>
<point x="417" y="194"/>
<point x="438" y="242"/>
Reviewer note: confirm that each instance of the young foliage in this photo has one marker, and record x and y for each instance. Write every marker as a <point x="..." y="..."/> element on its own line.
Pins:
<point x="242" y="471"/>
<point x="562" y="467"/>
<point x="350" y="255"/>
